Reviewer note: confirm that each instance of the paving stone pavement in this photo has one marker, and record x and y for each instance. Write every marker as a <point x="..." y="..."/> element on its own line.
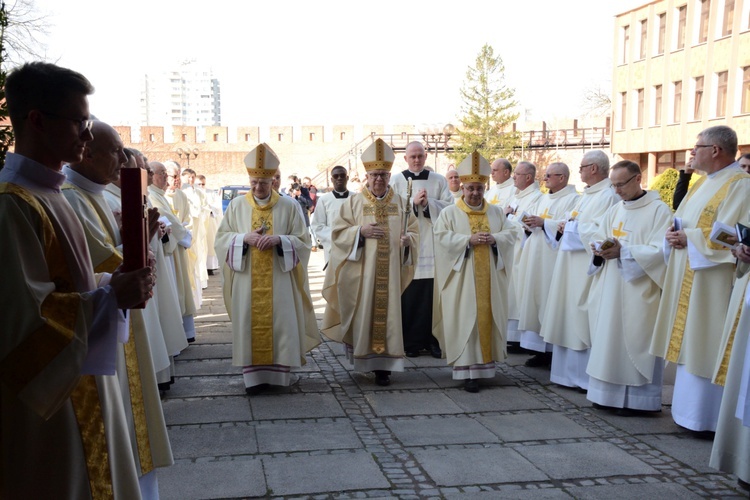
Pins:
<point x="336" y="435"/>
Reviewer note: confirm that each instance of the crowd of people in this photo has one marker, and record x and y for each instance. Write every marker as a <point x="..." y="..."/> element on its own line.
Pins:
<point x="602" y="287"/>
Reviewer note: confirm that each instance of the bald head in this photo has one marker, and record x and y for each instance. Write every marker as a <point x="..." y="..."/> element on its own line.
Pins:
<point x="501" y="170"/>
<point x="103" y="156"/>
<point x="160" y="174"/>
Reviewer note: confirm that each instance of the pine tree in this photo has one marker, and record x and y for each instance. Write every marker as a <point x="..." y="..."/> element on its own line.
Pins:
<point x="487" y="111"/>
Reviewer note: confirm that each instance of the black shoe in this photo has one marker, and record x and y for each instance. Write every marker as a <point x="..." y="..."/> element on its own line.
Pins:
<point x="742" y="484"/>
<point x="210" y="272"/>
<point x="597" y="406"/>
<point x="190" y="341"/>
<point x="256" y="389"/>
<point x="382" y="378"/>
<point x="704" y="435"/>
<point x="515" y="348"/>
<point x="435" y="351"/>
<point x="412" y="354"/>
<point x="471" y="385"/>
<point x="163" y="386"/>
<point x="540" y="360"/>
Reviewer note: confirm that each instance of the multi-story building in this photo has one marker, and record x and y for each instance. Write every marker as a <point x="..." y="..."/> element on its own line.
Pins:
<point x="188" y="95"/>
<point x="680" y="66"/>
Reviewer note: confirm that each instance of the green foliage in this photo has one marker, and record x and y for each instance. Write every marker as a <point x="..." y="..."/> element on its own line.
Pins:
<point x="487" y="110"/>
<point x="666" y="182"/>
<point x="6" y="133"/>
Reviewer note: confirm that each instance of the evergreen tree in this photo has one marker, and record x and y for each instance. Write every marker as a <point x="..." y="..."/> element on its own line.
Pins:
<point x="487" y="111"/>
<point x="6" y="133"/>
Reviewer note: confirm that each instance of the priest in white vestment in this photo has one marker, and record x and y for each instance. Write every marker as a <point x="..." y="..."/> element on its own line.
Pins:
<point x="213" y="219"/>
<point x="199" y="211"/>
<point x="64" y="430"/>
<point x="504" y="188"/>
<point x="624" y="297"/>
<point x="699" y="279"/>
<point x="474" y="246"/>
<point x="179" y="239"/>
<point x="372" y="262"/>
<point x="731" y="450"/>
<point x="566" y="322"/>
<point x="145" y="352"/>
<point x="538" y="257"/>
<point x="327" y="210"/>
<point x="265" y="246"/>
<point x="524" y="201"/>
<point x="430" y="194"/>
<point x="454" y="182"/>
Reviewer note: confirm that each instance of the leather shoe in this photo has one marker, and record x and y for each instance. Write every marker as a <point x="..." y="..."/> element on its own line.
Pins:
<point x="743" y="484"/>
<point x="435" y="351"/>
<point x="256" y="389"/>
<point x="471" y="385"/>
<point x="412" y="354"/>
<point x="540" y="360"/>
<point x="382" y="378"/>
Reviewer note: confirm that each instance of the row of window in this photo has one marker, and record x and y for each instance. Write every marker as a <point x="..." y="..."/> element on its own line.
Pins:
<point x="701" y="22"/>
<point x="717" y="108"/>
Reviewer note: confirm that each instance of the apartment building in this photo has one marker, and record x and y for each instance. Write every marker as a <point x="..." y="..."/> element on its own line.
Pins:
<point x="679" y="66"/>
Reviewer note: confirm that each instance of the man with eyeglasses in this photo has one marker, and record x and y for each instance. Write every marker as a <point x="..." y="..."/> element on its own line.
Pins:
<point x="502" y="192"/>
<point x="371" y="263"/>
<point x="430" y="194"/>
<point x="327" y="209"/>
<point x="566" y="324"/>
<point x="63" y="423"/>
<point x="475" y="251"/>
<point x="624" y="298"/>
<point x="265" y="247"/>
<point x="699" y="279"/>
<point x="537" y="260"/>
<point x="524" y="200"/>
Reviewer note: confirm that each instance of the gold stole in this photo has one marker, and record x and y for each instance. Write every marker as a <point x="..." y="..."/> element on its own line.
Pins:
<point x="381" y="210"/>
<point x="59" y="313"/>
<point x="705" y="223"/>
<point x="721" y="375"/>
<point x="479" y="222"/>
<point x="261" y="276"/>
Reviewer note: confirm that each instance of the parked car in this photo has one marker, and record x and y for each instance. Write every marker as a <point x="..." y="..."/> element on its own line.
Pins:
<point x="228" y="193"/>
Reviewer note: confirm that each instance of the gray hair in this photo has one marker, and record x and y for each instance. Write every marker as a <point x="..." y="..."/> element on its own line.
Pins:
<point x="505" y="163"/>
<point x="723" y="137"/>
<point x="598" y="158"/>
<point x="529" y="165"/>
<point x="562" y="166"/>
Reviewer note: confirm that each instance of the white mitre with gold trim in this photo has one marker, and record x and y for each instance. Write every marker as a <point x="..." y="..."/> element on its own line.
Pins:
<point x="474" y="168"/>
<point x="262" y="162"/>
<point x="378" y="156"/>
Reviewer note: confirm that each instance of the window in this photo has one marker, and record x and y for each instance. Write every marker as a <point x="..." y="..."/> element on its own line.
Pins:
<point x="639" y="110"/>
<point x="745" y="99"/>
<point x="698" y="102"/>
<point x="623" y="109"/>
<point x="644" y="34"/>
<point x="662" y="33"/>
<point x="280" y="137"/>
<point x="625" y="44"/>
<point x="681" y="24"/>
<point x="342" y="136"/>
<point x="184" y="137"/>
<point x="721" y="94"/>
<point x="728" y="21"/>
<point x="151" y="137"/>
<point x="216" y="137"/>
<point x="705" y="6"/>
<point x="657" y="105"/>
<point x="312" y="136"/>
<point x="247" y="137"/>
<point x="677" y="113"/>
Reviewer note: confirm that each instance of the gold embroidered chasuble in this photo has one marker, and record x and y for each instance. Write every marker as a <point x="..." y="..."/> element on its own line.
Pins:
<point x="40" y="364"/>
<point x="266" y="294"/>
<point x="363" y="286"/>
<point x="688" y="323"/>
<point x="472" y="283"/>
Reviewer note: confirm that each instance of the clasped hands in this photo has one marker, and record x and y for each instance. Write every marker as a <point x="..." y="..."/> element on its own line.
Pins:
<point x="261" y="241"/>
<point x="481" y="239"/>
<point x="676" y="239"/>
<point x="373" y="231"/>
<point x="612" y="252"/>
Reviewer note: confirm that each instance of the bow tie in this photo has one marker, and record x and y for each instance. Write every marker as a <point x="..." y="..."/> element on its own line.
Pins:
<point x="422" y="176"/>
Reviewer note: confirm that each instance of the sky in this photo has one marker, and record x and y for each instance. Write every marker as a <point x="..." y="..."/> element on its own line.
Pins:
<point x="294" y="62"/>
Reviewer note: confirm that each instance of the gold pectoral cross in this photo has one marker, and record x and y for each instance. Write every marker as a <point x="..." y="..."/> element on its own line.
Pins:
<point x="546" y="214"/>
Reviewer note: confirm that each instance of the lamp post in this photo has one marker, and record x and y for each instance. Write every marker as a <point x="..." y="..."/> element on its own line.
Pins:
<point x="437" y="135"/>
<point x="187" y="153"/>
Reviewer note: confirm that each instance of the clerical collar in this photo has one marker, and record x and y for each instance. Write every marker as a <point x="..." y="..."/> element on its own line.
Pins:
<point x="643" y="193"/>
<point x="422" y="175"/>
<point x="81" y="181"/>
<point x="380" y="197"/>
<point x="474" y="208"/>
<point x="344" y="194"/>
<point x="31" y="174"/>
<point x="262" y="202"/>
